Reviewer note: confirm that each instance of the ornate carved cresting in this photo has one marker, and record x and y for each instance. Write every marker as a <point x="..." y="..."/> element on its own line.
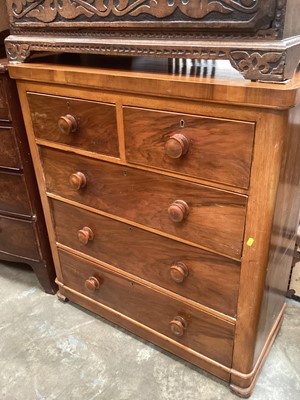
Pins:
<point x="48" y="11"/>
<point x="236" y="30"/>
<point x="254" y="64"/>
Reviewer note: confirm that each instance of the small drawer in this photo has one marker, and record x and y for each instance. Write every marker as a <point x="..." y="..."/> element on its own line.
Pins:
<point x="200" y="214"/>
<point x="18" y="237"/>
<point x="87" y="125"/>
<point x="9" y="151"/>
<point x="218" y="150"/>
<point x="13" y="194"/>
<point x="202" y="276"/>
<point x="4" y="110"/>
<point x="181" y="322"/>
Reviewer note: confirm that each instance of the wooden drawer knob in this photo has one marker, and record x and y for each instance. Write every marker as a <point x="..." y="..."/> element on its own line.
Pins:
<point x="178" y="211"/>
<point x="77" y="180"/>
<point x="176" y="146"/>
<point x="178" y="325"/>
<point x="179" y="272"/>
<point x="67" y="124"/>
<point x="85" y="234"/>
<point x="92" y="283"/>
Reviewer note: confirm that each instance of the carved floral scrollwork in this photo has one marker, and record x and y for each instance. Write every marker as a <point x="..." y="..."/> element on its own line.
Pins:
<point x="258" y="65"/>
<point x="48" y="10"/>
<point x="17" y="52"/>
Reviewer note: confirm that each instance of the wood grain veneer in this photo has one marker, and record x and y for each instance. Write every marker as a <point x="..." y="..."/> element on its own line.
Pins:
<point x="96" y="125"/>
<point x="119" y="218"/>
<point x="210" y="154"/>
<point x="212" y="280"/>
<point x="129" y="298"/>
<point x="145" y="197"/>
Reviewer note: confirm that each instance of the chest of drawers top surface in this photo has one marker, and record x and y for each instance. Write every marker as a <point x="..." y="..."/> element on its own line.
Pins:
<point x="211" y="81"/>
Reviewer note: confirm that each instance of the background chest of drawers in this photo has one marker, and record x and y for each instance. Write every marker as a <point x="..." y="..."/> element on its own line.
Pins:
<point x="170" y="202"/>
<point x="23" y="233"/>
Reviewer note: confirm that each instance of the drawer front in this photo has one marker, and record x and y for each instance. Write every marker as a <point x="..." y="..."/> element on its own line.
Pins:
<point x="18" y="237"/>
<point x="202" y="276"/>
<point x="210" y="217"/>
<point x="4" y="112"/>
<point x="83" y="124"/>
<point x="13" y="194"/>
<point x="9" y="152"/>
<point x="219" y="150"/>
<point x="204" y="333"/>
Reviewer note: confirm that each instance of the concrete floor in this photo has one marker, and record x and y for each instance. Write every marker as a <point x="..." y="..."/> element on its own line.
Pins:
<point x="50" y="350"/>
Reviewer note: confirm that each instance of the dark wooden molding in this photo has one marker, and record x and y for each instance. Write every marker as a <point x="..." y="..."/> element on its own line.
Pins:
<point x="255" y="35"/>
<point x="253" y="60"/>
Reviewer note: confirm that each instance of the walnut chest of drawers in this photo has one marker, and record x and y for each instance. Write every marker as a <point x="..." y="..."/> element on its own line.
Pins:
<point x="23" y="233"/>
<point x="171" y="203"/>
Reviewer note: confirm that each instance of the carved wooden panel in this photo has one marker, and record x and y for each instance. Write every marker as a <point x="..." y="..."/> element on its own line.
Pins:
<point x="260" y="38"/>
<point x="233" y="14"/>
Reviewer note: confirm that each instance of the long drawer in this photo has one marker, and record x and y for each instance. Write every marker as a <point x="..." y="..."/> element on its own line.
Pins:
<point x="200" y="214"/>
<point x="202" y="276"/>
<point x="18" y="238"/>
<point x="189" y="144"/>
<point x="14" y="194"/>
<point x="9" y="153"/>
<point x="182" y="322"/>
<point x="87" y="125"/>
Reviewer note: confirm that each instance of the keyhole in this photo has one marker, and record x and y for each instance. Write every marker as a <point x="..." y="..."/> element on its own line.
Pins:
<point x="181" y="123"/>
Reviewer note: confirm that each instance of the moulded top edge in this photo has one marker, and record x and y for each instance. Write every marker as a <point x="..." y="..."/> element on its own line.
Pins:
<point x="215" y="82"/>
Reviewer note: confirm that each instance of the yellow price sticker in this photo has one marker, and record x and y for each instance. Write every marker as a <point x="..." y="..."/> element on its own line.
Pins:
<point x="250" y="242"/>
